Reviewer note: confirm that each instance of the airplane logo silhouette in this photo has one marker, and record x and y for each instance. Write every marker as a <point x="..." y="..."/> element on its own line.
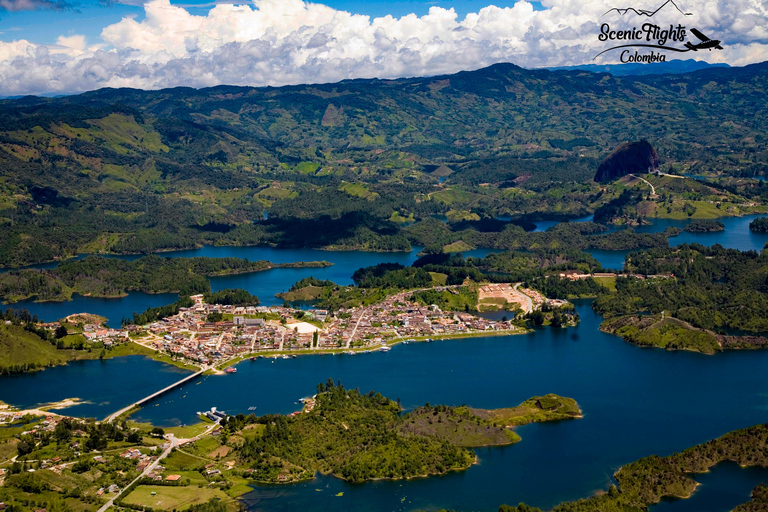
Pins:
<point x="645" y="12"/>
<point x="706" y="43"/>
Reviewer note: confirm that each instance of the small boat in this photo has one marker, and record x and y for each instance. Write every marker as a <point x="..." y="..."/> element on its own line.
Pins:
<point x="386" y="349"/>
<point x="253" y="358"/>
<point x="231" y="370"/>
<point x="285" y="356"/>
<point x="294" y="356"/>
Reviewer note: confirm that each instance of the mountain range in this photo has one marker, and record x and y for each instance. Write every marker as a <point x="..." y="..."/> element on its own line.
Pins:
<point x="181" y="166"/>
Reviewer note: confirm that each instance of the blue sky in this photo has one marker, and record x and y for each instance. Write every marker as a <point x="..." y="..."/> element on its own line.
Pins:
<point x="89" y="17"/>
<point x="169" y="43"/>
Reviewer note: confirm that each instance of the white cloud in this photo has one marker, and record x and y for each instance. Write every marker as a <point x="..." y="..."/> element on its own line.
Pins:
<point x="277" y="42"/>
<point x="74" y="42"/>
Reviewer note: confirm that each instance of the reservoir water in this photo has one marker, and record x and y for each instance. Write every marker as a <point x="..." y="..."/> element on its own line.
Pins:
<point x="262" y="284"/>
<point x="722" y="488"/>
<point x="636" y="402"/>
<point x="735" y="236"/>
<point x="266" y="284"/>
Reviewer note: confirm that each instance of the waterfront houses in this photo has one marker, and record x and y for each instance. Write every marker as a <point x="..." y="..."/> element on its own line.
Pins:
<point x="255" y="330"/>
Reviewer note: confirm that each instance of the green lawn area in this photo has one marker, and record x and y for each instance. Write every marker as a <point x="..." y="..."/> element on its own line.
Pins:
<point x="438" y="278"/>
<point x="358" y="189"/>
<point x="459" y="246"/>
<point x="307" y="167"/>
<point x="204" y="446"/>
<point x="704" y="210"/>
<point x="534" y="410"/>
<point x="180" y="460"/>
<point x="185" y="432"/>
<point x="397" y="217"/>
<point x="607" y="282"/>
<point x="169" y="498"/>
<point x="7" y="449"/>
<point x="19" y="347"/>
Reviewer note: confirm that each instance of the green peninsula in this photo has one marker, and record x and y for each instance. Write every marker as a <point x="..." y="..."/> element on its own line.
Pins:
<point x="97" y="276"/>
<point x="360" y="437"/>
<point x="79" y="464"/>
<point x="647" y="481"/>
<point x="690" y="298"/>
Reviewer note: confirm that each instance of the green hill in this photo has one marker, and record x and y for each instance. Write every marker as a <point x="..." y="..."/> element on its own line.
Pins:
<point x="126" y="171"/>
<point x="20" y="349"/>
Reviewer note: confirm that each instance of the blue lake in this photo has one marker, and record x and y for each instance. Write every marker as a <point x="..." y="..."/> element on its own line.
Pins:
<point x="721" y="489"/>
<point x="266" y="284"/>
<point x="104" y="386"/>
<point x="735" y="236"/>
<point x="636" y="402"/>
<point x="262" y="284"/>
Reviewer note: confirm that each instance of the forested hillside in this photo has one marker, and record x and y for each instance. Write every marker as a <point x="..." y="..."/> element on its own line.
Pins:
<point x="347" y="165"/>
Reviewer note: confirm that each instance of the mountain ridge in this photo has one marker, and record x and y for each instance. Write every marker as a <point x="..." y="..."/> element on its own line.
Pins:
<point x="128" y="170"/>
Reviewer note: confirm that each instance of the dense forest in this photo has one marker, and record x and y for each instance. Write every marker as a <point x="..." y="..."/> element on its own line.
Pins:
<point x="352" y="435"/>
<point x="711" y="288"/>
<point x="111" y="277"/>
<point x="362" y="436"/>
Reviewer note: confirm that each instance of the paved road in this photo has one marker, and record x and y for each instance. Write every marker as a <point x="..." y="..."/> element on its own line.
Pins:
<point x="173" y="442"/>
<point x="528" y="300"/>
<point x="354" y="331"/>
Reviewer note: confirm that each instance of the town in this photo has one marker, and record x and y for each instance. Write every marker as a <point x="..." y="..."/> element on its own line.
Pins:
<point x="194" y="335"/>
<point x="211" y="336"/>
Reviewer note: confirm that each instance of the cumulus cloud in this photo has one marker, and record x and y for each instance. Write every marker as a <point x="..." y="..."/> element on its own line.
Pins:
<point x="278" y="42"/>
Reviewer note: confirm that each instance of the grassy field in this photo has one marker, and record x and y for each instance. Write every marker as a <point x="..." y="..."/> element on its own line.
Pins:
<point x="7" y="449"/>
<point x="607" y="282"/>
<point x="549" y="407"/>
<point x="459" y="246"/>
<point x="305" y="293"/>
<point x="358" y="190"/>
<point x="438" y="278"/>
<point x="171" y="498"/>
<point x="396" y="217"/>
<point x="19" y="347"/>
<point x="669" y="333"/>
<point x="457" y="426"/>
<point x="182" y="432"/>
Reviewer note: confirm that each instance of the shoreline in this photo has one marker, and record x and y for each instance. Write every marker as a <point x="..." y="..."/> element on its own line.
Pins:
<point x="196" y="247"/>
<point x="69" y="297"/>
<point x="272" y="354"/>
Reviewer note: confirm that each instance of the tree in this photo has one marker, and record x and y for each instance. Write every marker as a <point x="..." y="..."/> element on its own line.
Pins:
<point x="157" y="432"/>
<point x="63" y="432"/>
<point x="60" y="332"/>
<point x="215" y="316"/>
<point x="537" y="317"/>
<point x="24" y="448"/>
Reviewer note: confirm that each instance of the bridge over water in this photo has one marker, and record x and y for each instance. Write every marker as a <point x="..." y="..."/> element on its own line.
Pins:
<point x="154" y="395"/>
